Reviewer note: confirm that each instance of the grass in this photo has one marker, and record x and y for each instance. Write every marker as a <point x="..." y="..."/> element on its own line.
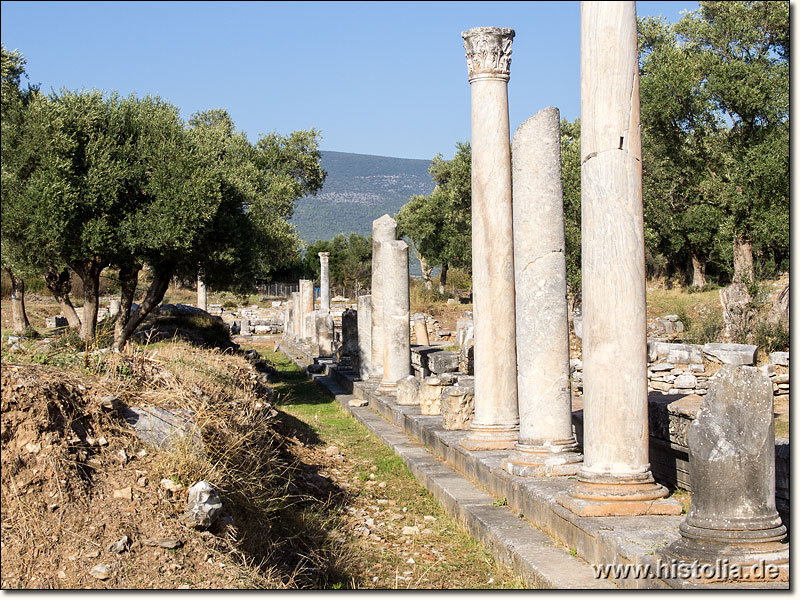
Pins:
<point x="446" y="557"/>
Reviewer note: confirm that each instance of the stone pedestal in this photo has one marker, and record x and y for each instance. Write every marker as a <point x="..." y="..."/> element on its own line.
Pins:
<point x="324" y="333"/>
<point x="430" y="393"/>
<point x="364" y="337"/>
<point x="733" y="517"/>
<point x="396" y="329"/>
<point x="408" y="391"/>
<point x="496" y="422"/>
<point x="114" y="308"/>
<point x="421" y="330"/>
<point x="384" y="230"/>
<point x="349" y="345"/>
<point x="547" y="445"/>
<point x="458" y="407"/>
<point x="615" y="478"/>
<point x="202" y="293"/>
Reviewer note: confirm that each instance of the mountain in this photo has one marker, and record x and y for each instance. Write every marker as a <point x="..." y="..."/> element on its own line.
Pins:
<point x="359" y="189"/>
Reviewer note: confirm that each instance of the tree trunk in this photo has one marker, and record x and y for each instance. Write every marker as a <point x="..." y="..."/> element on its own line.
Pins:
<point x="19" y="318"/>
<point x="60" y="286"/>
<point x="426" y="273"/>
<point x="89" y="272"/>
<point x="743" y="271"/>
<point x="698" y="270"/>
<point x="154" y="296"/>
<point x="443" y="279"/>
<point x="128" y="278"/>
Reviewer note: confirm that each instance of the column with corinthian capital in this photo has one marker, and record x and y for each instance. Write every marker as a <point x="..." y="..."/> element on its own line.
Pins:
<point x="495" y="425"/>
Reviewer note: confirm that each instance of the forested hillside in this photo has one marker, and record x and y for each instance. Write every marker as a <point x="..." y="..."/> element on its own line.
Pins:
<point x="359" y="189"/>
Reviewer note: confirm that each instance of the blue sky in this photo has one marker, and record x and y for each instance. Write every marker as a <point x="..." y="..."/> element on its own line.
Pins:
<point x="386" y="78"/>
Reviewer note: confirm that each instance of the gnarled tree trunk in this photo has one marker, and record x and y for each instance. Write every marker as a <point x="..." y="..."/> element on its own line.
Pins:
<point x="89" y="272"/>
<point x="19" y="318"/>
<point x="443" y="279"/>
<point x="60" y="285"/>
<point x="743" y="271"/>
<point x="698" y="270"/>
<point x="128" y="278"/>
<point x="154" y="296"/>
<point x="426" y="272"/>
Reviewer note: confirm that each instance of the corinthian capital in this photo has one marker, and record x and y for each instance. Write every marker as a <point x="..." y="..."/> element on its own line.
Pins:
<point x="488" y="52"/>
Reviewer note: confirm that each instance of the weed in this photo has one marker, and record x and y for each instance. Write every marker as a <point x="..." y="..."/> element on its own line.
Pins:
<point x="573" y="552"/>
<point x="500" y="502"/>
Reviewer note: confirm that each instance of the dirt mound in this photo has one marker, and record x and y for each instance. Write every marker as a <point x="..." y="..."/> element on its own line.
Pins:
<point x="88" y="504"/>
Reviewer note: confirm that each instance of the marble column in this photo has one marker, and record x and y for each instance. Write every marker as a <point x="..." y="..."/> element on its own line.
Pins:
<point x="421" y="330"/>
<point x="384" y="230"/>
<point x="324" y="283"/>
<point x="202" y="292"/>
<point x="615" y="478"/>
<point x="297" y="316"/>
<point x="364" y="337"/>
<point x="396" y="327"/>
<point x="324" y="319"/>
<point x="547" y="445"/>
<point x="288" y="318"/>
<point x="496" y="422"/>
<point x="306" y="308"/>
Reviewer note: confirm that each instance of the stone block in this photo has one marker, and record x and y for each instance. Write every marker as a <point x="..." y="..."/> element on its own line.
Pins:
<point x="457" y="407"/>
<point x="466" y="358"/>
<point x="732" y="354"/>
<point x="430" y="393"/>
<point x="59" y="321"/>
<point x="408" y="391"/>
<point x="779" y="358"/>
<point x="685" y="381"/>
<point x="443" y="362"/>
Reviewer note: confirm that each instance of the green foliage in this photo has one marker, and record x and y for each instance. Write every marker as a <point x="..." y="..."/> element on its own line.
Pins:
<point x="439" y="226"/>
<point x="571" y="190"/>
<point x="715" y="127"/>
<point x="771" y="337"/>
<point x="350" y="260"/>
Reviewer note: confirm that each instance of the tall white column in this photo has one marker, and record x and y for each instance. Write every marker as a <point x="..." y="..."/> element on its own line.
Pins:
<point x="297" y="316"/>
<point x="364" y="337"/>
<point x="496" y="422"/>
<point x="202" y="292"/>
<point x="396" y="326"/>
<point x="324" y="283"/>
<point x="615" y="478"/>
<point x="547" y="445"/>
<point x="384" y="229"/>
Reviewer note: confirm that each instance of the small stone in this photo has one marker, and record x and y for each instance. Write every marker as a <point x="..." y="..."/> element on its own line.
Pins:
<point x="120" y="545"/>
<point x="169" y="543"/>
<point x="372" y="475"/>
<point x="61" y="575"/>
<point x="33" y="448"/>
<point x="697" y="368"/>
<point x="111" y="402"/>
<point x="662" y="367"/>
<point x="101" y="441"/>
<point x="100" y="571"/>
<point x="382" y="484"/>
<point x="358" y="403"/>
<point x="142" y="482"/>
<point x="92" y="554"/>
<point x="410" y="530"/>
<point x="429" y="518"/>
<point x="332" y="451"/>
<point x="124" y="493"/>
<point x="784" y="378"/>
<point x="203" y="506"/>
<point x="170" y="485"/>
<point x="685" y="381"/>
<point x="411" y="561"/>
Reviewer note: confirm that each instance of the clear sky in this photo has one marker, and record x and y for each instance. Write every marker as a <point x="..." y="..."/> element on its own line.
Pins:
<point x="386" y="78"/>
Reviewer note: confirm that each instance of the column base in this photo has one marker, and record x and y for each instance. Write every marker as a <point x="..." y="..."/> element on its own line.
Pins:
<point x="386" y="388"/>
<point x="489" y="437"/>
<point x="700" y="563"/>
<point x="605" y="495"/>
<point x="552" y="459"/>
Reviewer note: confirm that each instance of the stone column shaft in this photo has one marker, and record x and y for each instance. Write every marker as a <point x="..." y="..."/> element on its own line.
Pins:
<point x="615" y="478"/>
<point x="364" y="336"/>
<point x="306" y="307"/>
<point x="324" y="283"/>
<point x="202" y="292"/>
<point x="421" y="330"/>
<point x="496" y="421"/>
<point x="396" y="331"/>
<point x="297" y="316"/>
<point x="547" y="445"/>
<point x="384" y="229"/>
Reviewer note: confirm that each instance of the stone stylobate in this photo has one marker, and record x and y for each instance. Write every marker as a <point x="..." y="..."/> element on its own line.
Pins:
<point x="496" y="422"/>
